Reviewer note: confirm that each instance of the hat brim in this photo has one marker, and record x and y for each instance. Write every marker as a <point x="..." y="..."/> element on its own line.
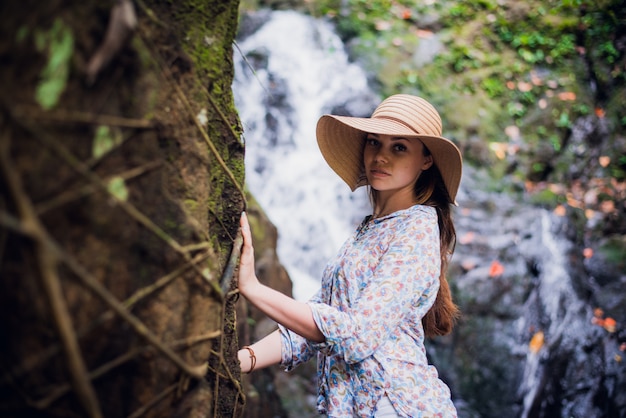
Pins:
<point x="340" y="139"/>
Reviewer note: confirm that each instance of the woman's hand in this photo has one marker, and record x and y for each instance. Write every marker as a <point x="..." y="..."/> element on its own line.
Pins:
<point x="296" y="316"/>
<point x="247" y="275"/>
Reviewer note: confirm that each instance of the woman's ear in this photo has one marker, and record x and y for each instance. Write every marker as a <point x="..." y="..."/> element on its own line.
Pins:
<point x="428" y="162"/>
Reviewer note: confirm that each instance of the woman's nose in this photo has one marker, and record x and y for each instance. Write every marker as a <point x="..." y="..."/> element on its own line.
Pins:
<point x="381" y="155"/>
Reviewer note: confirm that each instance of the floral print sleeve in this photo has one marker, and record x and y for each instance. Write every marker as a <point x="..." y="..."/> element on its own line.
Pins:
<point x="295" y="348"/>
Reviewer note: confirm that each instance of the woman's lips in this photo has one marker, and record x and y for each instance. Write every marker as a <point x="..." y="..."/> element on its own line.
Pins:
<point x="376" y="172"/>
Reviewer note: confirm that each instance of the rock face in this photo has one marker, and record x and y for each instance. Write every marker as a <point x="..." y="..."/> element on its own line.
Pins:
<point x="532" y="341"/>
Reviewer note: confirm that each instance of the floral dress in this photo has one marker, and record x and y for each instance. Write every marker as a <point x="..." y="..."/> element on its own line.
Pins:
<point x="370" y="306"/>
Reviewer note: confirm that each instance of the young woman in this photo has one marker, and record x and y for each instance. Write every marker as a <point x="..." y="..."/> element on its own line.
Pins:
<point x="386" y="289"/>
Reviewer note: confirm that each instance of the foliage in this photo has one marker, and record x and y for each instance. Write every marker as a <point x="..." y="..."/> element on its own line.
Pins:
<point x="58" y="44"/>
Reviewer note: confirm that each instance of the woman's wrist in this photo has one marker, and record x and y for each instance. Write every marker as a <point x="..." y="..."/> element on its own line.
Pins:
<point x="252" y="359"/>
<point x="250" y="288"/>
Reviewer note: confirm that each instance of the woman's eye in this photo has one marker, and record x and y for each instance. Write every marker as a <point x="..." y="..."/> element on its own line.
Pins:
<point x="400" y="147"/>
<point x="372" y="141"/>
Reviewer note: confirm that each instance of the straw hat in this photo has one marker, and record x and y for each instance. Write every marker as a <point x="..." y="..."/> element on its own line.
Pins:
<point x="341" y="139"/>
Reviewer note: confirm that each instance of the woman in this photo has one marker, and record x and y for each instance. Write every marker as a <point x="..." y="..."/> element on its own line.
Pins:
<point x="386" y="289"/>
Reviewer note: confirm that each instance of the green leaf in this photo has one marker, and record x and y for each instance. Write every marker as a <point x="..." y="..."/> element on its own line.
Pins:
<point x="59" y="42"/>
<point x="117" y="187"/>
<point x="105" y="139"/>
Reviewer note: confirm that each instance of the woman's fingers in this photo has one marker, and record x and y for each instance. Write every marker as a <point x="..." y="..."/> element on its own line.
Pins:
<point x="245" y="233"/>
<point x="247" y="274"/>
<point x="245" y="226"/>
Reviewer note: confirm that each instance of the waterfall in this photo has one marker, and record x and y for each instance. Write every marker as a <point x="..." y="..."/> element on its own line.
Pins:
<point x="299" y="72"/>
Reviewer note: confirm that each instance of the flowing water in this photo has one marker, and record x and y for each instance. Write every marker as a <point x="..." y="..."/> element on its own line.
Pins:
<point x="296" y="69"/>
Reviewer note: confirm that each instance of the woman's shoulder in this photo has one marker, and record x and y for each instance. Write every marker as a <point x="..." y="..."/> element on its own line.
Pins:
<point x="423" y="212"/>
<point x="410" y="219"/>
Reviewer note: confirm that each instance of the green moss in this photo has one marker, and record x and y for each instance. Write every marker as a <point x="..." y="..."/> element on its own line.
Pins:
<point x="614" y="250"/>
<point x="545" y="197"/>
<point x="191" y="205"/>
<point x="203" y="26"/>
<point x="206" y="32"/>
<point x="238" y="168"/>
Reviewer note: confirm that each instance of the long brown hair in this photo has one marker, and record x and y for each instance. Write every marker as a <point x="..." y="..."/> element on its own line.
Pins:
<point x="430" y="191"/>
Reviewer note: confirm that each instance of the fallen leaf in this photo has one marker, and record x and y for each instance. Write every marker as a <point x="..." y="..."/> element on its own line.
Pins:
<point x="496" y="269"/>
<point x="556" y="188"/>
<point x="536" y="342"/>
<point x="512" y="131"/>
<point x="535" y="79"/>
<point x="421" y="33"/>
<point x="604" y="160"/>
<point x="530" y="186"/>
<point x="382" y="25"/>
<point x="610" y="324"/>
<point x="590" y="213"/>
<point x="588" y="252"/>
<point x="467" y="238"/>
<point x="560" y="210"/>
<point x="499" y="149"/>
<point x="567" y="95"/>
<point x="542" y="103"/>
<point x="573" y="202"/>
<point x="600" y="112"/>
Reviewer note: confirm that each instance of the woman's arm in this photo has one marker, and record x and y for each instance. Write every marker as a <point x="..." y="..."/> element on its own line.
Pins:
<point x="294" y="315"/>
<point x="266" y="353"/>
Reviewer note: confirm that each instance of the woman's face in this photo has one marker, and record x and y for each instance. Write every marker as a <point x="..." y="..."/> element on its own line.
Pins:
<point x="394" y="163"/>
